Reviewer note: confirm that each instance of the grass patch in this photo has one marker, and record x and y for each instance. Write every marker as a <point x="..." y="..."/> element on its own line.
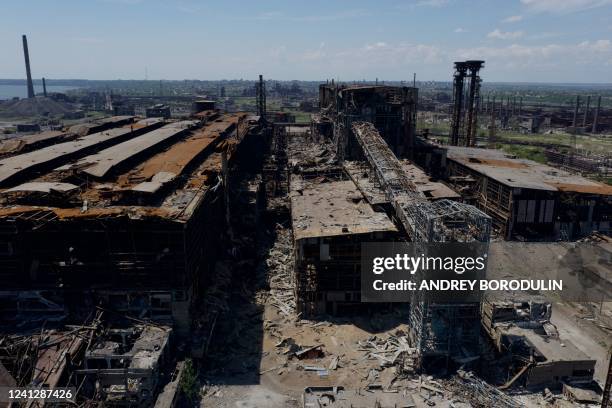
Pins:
<point x="301" y="117"/>
<point x="190" y="386"/>
<point x="587" y="142"/>
<point x="524" y="152"/>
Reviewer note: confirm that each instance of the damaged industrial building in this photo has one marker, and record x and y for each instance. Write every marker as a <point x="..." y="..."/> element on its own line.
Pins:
<point x="397" y="185"/>
<point x="123" y="220"/>
<point x="132" y="245"/>
<point x="122" y="214"/>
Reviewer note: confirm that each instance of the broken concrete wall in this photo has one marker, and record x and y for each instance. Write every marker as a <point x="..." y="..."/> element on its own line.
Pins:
<point x="391" y="109"/>
<point x="328" y="272"/>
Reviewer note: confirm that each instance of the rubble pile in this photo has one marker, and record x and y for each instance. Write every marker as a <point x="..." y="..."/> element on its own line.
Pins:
<point x="479" y="393"/>
<point x="280" y="275"/>
<point x="392" y="351"/>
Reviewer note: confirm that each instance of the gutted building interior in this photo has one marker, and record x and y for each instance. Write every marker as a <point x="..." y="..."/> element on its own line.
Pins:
<point x="391" y="109"/>
<point x="330" y="221"/>
<point x="537" y="355"/>
<point x="528" y="199"/>
<point x="135" y="249"/>
<point x="124" y="220"/>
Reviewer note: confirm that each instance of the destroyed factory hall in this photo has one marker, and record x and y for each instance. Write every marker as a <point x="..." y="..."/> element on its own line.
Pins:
<point x="217" y="259"/>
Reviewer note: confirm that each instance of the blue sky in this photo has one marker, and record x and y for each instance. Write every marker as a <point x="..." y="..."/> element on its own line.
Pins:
<point x="521" y="40"/>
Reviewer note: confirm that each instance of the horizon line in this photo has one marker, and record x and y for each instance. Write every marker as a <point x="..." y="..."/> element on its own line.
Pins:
<point x="380" y="81"/>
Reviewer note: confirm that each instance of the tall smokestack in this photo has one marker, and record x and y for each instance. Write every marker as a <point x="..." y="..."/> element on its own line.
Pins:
<point x="575" y="121"/>
<point x="44" y="87"/>
<point x="26" y="54"/>
<point x="596" y="118"/>
<point x="586" y="111"/>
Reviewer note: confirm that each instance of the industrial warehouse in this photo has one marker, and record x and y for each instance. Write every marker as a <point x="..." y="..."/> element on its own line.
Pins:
<point x="215" y="256"/>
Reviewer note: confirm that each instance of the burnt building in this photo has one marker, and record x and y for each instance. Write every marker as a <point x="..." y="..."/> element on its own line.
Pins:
<point x="158" y="111"/>
<point x="123" y="108"/>
<point x="200" y="105"/>
<point x="126" y="365"/>
<point x="330" y="222"/>
<point x="528" y="199"/>
<point x="391" y="109"/>
<point x="28" y="127"/>
<point x="423" y="211"/>
<point x="127" y="218"/>
<point x="520" y="328"/>
<point x="26" y="143"/>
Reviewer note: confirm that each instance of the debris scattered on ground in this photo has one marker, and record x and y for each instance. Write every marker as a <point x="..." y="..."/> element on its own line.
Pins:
<point x="391" y="351"/>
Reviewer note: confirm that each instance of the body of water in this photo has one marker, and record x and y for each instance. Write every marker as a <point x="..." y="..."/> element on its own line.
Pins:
<point x="21" y="91"/>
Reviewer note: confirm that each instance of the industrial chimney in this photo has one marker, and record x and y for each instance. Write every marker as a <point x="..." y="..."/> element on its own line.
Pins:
<point x="26" y="54"/>
<point x="44" y="87"/>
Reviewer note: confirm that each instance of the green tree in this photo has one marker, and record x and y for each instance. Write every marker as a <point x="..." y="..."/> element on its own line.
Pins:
<point x="190" y="386"/>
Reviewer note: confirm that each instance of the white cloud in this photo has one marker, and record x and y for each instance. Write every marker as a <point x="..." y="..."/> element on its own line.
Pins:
<point x="512" y="19"/>
<point x="378" y="45"/>
<point x="191" y="8"/>
<point x="269" y="15"/>
<point x="278" y="15"/>
<point x="563" y="6"/>
<point x="376" y="54"/>
<point x="277" y="52"/>
<point x="397" y="54"/>
<point x="587" y="60"/>
<point x="505" y="35"/>
<point x="544" y="35"/>
<point x="542" y="57"/>
<point x="460" y="30"/>
<point x="314" y="55"/>
<point x="512" y="58"/>
<point x="432" y="3"/>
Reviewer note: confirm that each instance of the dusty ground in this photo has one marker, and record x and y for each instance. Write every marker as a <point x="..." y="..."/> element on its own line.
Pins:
<point x="255" y="367"/>
<point x="586" y="324"/>
<point x="280" y="378"/>
<point x="252" y="363"/>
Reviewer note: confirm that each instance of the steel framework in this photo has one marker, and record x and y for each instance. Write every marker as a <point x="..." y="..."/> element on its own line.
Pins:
<point x="441" y="330"/>
<point x="458" y="84"/>
<point x="464" y="122"/>
<point x="424" y="221"/>
<point x="473" y="102"/>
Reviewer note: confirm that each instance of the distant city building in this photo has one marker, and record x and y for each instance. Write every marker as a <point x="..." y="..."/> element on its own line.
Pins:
<point x="203" y="104"/>
<point x="123" y="109"/>
<point x="280" y="117"/>
<point x="158" y="111"/>
<point x="77" y="114"/>
<point x="28" y="127"/>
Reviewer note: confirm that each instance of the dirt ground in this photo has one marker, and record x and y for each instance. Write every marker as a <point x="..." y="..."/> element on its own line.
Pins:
<point x="586" y="324"/>
<point x="255" y="365"/>
<point x="282" y="377"/>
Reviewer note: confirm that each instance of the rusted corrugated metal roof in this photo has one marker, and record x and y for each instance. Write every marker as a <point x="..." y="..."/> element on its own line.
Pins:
<point x="101" y="163"/>
<point x="16" y="165"/>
